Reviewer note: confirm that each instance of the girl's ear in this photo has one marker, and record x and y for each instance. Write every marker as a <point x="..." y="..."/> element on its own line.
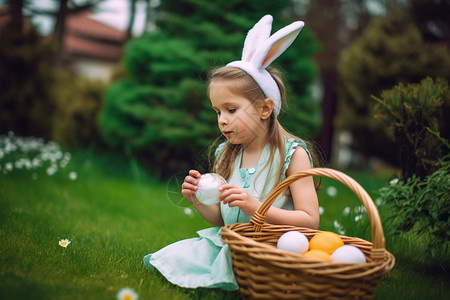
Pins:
<point x="266" y="109"/>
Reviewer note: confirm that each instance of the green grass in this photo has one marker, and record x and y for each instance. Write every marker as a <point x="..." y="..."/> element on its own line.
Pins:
<point x="112" y="220"/>
<point x="114" y="215"/>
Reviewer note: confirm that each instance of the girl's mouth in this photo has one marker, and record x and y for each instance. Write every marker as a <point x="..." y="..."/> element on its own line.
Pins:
<point x="227" y="133"/>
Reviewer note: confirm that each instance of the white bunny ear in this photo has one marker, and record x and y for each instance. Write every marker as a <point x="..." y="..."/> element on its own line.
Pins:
<point x="256" y="37"/>
<point x="261" y="49"/>
<point x="276" y="45"/>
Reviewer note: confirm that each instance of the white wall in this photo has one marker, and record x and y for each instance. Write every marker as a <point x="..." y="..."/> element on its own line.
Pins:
<point x="94" y="69"/>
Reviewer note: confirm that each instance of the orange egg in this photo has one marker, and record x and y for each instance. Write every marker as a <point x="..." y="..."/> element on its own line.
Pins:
<point x="318" y="255"/>
<point x="326" y="241"/>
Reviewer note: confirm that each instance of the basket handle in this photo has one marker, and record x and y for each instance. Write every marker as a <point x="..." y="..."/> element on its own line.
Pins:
<point x="378" y="239"/>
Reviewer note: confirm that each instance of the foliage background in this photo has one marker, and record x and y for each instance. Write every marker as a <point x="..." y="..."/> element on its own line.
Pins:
<point x="26" y="103"/>
<point x="111" y="212"/>
<point x="389" y="51"/>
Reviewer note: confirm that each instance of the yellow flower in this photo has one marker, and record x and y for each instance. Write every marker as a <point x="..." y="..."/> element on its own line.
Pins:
<point x="127" y="294"/>
<point x="64" y="243"/>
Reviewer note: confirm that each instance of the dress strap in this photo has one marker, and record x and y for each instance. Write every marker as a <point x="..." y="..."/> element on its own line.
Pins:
<point x="290" y="147"/>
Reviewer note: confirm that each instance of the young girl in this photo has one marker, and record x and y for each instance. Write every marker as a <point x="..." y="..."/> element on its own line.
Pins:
<point x="257" y="155"/>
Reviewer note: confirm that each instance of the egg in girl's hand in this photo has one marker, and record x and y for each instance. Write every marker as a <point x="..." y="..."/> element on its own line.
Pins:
<point x="208" y="188"/>
<point x="293" y="241"/>
<point x="348" y="254"/>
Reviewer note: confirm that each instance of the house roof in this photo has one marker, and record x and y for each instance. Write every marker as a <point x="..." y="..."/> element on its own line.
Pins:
<point x="86" y="37"/>
<point x="83" y="24"/>
<point x="81" y="47"/>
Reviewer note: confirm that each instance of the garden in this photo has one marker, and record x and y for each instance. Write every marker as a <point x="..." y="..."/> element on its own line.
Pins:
<point x="90" y="171"/>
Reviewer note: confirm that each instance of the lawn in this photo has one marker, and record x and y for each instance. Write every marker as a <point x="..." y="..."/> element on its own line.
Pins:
<point x="114" y="214"/>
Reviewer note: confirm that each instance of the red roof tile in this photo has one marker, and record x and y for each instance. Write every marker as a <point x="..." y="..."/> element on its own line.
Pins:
<point x="89" y="38"/>
<point x="76" y="46"/>
<point x="82" y="24"/>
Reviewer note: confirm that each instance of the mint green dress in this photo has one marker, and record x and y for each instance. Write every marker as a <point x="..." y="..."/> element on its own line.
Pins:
<point x="205" y="261"/>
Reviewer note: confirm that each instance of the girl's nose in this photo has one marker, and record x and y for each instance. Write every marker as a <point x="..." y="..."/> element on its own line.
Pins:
<point x="223" y="120"/>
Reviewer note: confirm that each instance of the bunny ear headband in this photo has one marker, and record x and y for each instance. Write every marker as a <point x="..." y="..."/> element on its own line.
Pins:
<point x="261" y="49"/>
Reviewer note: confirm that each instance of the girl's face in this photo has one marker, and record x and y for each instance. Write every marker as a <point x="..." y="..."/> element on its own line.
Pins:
<point x="240" y="120"/>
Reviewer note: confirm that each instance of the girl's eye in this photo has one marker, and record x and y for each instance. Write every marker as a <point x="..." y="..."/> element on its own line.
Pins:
<point x="232" y="110"/>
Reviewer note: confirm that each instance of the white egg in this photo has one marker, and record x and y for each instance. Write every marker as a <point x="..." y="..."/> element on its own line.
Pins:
<point x="208" y="188"/>
<point x="293" y="241"/>
<point x="348" y="254"/>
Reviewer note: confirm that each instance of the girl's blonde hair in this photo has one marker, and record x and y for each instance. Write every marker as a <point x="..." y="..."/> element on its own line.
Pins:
<point x="245" y="86"/>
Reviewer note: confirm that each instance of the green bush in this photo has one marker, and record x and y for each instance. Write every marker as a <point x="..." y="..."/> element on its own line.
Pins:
<point x="413" y="112"/>
<point x="422" y="206"/>
<point x="78" y="102"/>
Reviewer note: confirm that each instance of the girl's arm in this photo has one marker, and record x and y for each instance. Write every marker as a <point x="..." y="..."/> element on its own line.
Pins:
<point x="304" y="195"/>
<point x="210" y="213"/>
<point x="303" y="192"/>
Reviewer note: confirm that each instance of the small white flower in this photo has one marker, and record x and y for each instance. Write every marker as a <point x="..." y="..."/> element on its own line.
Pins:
<point x="10" y="147"/>
<point x="188" y="211"/>
<point x="331" y="191"/>
<point x="360" y="209"/>
<point x="73" y="175"/>
<point x="358" y="217"/>
<point x="64" y="243"/>
<point x="346" y="211"/>
<point x="27" y="163"/>
<point x="58" y="155"/>
<point x="336" y="224"/>
<point x="67" y="156"/>
<point x="63" y="163"/>
<point x="378" y="201"/>
<point x="321" y="210"/>
<point x="9" y="166"/>
<point x="51" y="170"/>
<point x="36" y="162"/>
<point x="45" y="156"/>
<point x="339" y="227"/>
<point x="127" y="294"/>
<point x="393" y="181"/>
<point x="18" y="164"/>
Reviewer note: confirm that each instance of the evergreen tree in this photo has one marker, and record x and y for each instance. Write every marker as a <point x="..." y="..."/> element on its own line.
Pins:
<point x="389" y="51"/>
<point x="160" y="109"/>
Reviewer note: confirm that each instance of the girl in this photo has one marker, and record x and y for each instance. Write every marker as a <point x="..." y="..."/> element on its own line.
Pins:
<point x="257" y="155"/>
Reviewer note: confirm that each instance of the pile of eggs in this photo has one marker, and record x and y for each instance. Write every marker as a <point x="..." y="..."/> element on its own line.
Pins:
<point x="325" y="246"/>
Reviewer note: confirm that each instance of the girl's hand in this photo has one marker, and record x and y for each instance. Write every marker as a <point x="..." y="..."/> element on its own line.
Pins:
<point x="210" y="213"/>
<point x="239" y="197"/>
<point x="190" y="186"/>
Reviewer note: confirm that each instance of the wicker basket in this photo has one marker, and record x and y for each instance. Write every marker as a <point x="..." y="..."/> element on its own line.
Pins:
<point x="265" y="272"/>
